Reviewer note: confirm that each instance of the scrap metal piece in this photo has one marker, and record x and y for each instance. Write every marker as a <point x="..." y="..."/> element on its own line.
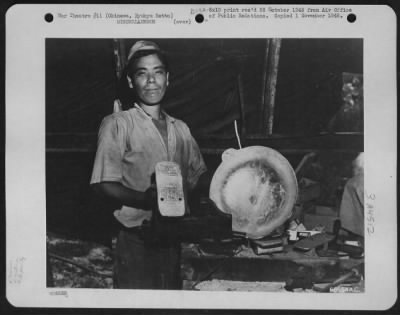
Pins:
<point x="257" y="186"/>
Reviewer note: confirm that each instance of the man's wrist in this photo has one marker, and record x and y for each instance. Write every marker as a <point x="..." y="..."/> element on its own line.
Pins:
<point x="150" y="198"/>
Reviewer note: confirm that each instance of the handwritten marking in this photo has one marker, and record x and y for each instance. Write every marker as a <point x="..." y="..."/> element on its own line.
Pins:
<point x="16" y="270"/>
<point x="60" y="292"/>
<point x="370" y="209"/>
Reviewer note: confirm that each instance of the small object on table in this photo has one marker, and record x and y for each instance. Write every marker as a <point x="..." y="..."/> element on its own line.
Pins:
<point x="330" y="223"/>
<point x="267" y="246"/>
<point x="314" y="241"/>
<point x="298" y="235"/>
<point x="352" y="251"/>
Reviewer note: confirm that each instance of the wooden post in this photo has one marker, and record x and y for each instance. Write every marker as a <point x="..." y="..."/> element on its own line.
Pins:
<point x="119" y="56"/>
<point x="120" y="62"/>
<point x="264" y="87"/>
<point x="272" y="55"/>
<point x="242" y="107"/>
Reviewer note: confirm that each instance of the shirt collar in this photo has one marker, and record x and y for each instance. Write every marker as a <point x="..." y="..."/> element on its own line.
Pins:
<point x="168" y="118"/>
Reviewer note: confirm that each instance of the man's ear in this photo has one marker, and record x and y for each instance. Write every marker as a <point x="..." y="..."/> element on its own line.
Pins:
<point x="167" y="78"/>
<point x="129" y="81"/>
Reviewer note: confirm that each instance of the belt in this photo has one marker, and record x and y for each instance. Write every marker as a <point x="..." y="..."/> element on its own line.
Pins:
<point x="132" y="230"/>
<point x="151" y="240"/>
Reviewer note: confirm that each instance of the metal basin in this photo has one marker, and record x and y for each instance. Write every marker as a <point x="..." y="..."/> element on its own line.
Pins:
<point x="257" y="186"/>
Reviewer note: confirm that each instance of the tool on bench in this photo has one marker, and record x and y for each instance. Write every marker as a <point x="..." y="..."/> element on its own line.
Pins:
<point x="357" y="271"/>
<point x="322" y="278"/>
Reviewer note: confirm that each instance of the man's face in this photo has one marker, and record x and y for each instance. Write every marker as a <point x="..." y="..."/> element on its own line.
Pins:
<point x="150" y="79"/>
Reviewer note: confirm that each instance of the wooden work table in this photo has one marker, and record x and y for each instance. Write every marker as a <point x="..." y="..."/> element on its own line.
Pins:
<point x="243" y="265"/>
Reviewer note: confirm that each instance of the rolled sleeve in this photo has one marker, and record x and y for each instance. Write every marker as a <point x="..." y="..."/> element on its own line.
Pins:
<point x="110" y="149"/>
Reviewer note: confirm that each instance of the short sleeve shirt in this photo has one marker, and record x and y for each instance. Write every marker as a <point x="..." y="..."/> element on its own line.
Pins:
<point x="130" y="145"/>
<point x="352" y="206"/>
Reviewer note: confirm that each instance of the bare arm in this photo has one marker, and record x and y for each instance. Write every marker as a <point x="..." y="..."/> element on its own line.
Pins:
<point x="128" y="197"/>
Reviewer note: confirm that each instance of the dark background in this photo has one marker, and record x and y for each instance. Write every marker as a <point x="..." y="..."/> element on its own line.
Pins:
<point x="81" y="82"/>
<point x="81" y="85"/>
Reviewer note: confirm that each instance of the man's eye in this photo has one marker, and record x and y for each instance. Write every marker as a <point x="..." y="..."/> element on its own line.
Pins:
<point x="160" y="72"/>
<point x="140" y="74"/>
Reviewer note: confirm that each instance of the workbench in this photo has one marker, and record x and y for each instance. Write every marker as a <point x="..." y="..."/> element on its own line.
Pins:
<point x="270" y="272"/>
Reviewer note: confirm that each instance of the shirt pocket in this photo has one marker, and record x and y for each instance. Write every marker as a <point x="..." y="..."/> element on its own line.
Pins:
<point x="135" y="154"/>
<point x="136" y="168"/>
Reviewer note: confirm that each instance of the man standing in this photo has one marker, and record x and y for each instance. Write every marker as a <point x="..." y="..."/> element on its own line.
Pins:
<point x="130" y="144"/>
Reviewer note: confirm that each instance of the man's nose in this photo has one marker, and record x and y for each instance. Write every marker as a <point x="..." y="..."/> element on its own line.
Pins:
<point x="150" y="78"/>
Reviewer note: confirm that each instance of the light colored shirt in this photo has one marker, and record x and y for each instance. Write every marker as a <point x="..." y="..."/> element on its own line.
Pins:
<point x="130" y="145"/>
<point x="352" y="206"/>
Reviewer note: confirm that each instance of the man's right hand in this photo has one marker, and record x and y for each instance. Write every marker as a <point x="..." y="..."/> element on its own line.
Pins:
<point x="116" y="191"/>
<point x="150" y="201"/>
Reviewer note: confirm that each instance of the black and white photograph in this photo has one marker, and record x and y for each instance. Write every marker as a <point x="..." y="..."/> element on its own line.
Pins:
<point x="211" y="164"/>
<point x="266" y="136"/>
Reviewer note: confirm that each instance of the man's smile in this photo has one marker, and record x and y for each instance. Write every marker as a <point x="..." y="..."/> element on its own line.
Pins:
<point x="150" y="80"/>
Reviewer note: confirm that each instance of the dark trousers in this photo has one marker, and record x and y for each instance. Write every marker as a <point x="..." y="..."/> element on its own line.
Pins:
<point x="142" y="266"/>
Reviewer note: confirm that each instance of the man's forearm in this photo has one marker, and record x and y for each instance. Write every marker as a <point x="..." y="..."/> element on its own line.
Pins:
<point x="122" y="194"/>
